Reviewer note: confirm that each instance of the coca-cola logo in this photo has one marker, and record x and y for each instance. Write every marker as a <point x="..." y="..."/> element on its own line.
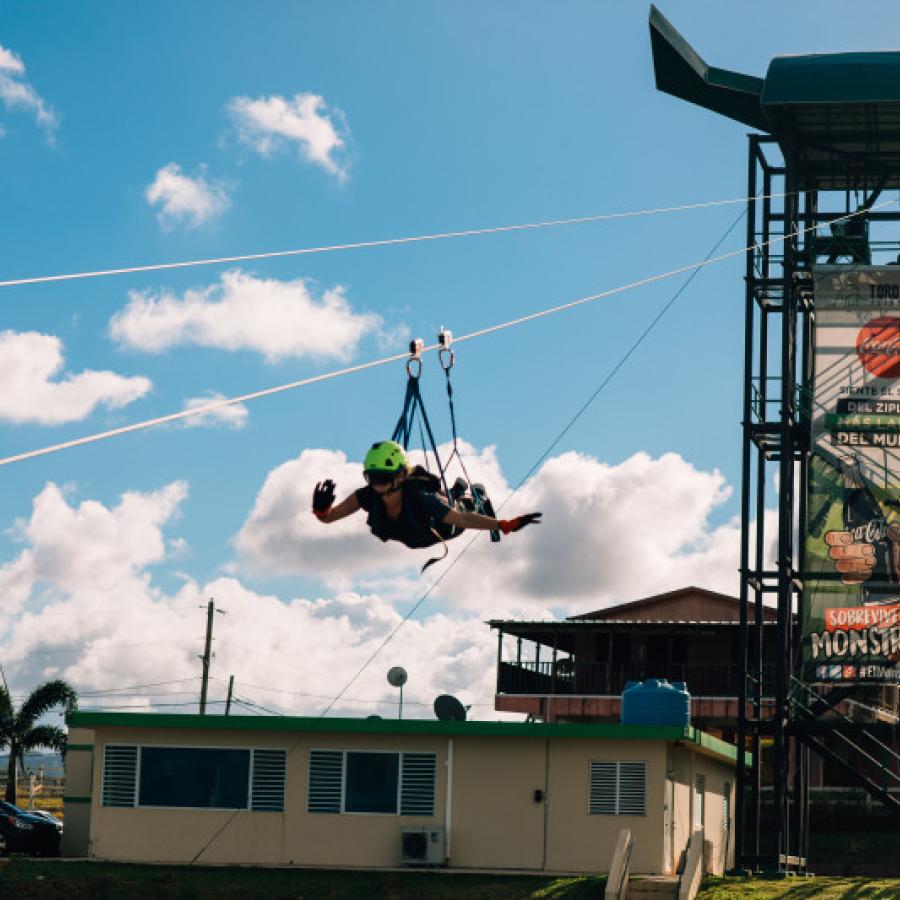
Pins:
<point x="878" y="347"/>
<point x="873" y="532"/>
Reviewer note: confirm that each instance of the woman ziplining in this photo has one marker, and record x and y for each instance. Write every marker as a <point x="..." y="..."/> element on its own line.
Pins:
<point x="408" y="503"/>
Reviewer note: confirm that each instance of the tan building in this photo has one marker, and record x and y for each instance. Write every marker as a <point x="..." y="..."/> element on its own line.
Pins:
<point x="376" y="793"/>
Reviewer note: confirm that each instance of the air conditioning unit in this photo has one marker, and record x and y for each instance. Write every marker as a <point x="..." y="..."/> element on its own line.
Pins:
<point x="422" y="847"/>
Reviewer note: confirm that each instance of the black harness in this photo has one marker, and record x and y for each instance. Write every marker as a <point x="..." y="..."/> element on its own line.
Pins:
<point x="415" y="527"/>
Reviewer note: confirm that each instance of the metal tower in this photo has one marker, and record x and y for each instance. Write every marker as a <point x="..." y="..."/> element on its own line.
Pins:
<point x="828" y="146"/>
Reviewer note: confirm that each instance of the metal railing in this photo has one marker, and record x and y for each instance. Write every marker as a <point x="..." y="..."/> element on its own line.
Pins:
<point x="570" y="677"/>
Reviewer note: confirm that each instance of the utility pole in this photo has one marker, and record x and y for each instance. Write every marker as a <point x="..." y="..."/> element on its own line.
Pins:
<point x="230" y="691"/>
<point x="207" y="655"/>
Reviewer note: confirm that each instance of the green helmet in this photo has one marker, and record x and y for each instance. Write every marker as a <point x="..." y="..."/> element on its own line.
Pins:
<point x="385" y="456"/>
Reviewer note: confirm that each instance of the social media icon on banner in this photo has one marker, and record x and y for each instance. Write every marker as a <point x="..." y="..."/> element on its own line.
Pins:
<point x="834" y="671"/>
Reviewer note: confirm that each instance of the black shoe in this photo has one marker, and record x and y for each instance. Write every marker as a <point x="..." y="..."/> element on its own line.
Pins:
<point x="484" y="506"/>
<point x="460" y="486"/>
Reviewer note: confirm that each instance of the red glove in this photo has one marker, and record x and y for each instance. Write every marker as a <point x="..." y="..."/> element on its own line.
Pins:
<point x="509" y="525"/>
<point x="323" y="498"/>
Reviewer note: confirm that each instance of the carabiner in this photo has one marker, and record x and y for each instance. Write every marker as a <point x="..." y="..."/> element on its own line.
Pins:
<point x="416" y="346"/>
<point x="445" y="354"/>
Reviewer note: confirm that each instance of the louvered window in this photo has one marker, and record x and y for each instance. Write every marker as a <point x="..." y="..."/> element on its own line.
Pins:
<point x="618" y="789"/>
<point x="326" y="780"/>
<point x="267" y="793"/>
<point x="119" y="775"/>
<point x="417" y="784"/>
<point x="354" y="781"/>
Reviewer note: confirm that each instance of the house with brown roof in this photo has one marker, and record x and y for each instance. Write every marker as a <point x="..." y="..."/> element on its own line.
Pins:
<point x="576" y="669"/>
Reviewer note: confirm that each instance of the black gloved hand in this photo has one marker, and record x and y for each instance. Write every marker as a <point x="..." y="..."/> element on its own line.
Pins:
<point x="509" y="525"/>
<point x="323" y="498"/>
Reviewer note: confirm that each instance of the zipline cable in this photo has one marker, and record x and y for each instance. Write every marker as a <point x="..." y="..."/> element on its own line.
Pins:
<point x="643" y="336"/>
<point x="220" y="404"/>
<point x="386" y="242"/>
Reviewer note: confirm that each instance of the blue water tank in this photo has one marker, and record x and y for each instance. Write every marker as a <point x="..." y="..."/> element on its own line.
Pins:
<point x="656" y="702"/>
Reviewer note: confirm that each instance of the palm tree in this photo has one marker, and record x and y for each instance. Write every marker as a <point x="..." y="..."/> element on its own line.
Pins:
<point x="19" y="732"/>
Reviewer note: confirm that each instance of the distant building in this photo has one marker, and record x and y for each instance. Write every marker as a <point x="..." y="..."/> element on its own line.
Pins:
<point x="359" y="792"/>
<point x="576" y="669"/>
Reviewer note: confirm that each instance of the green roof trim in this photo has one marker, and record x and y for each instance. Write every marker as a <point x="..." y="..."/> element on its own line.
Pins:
<point x="76" y="799"/>
<point x="319" y="725"/>
<point x="76" y="747"/>
<point x="719" y="747"/>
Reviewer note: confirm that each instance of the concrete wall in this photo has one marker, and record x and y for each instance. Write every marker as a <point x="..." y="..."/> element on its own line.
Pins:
<point x="292" y="837"/>
<point x="577" y="841"/>
<point x="79" y="765"/>
<point x="495" y="820"/>
<point x="686" y="765"/>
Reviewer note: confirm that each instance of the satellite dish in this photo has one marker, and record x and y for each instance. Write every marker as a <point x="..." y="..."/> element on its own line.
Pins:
<point x="397" y="676"/>
<point x="449" y="709"/>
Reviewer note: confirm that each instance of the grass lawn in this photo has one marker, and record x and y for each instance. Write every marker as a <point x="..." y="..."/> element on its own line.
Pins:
<point x="24" y="879"/>
<point x="800" y="888"/>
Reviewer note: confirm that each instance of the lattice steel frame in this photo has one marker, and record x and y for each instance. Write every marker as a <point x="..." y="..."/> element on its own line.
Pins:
<point x="779" y="356"/>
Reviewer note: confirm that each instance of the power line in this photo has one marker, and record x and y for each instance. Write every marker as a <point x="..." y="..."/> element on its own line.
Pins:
<point x="221" y="404"/>
<point x="387" y="242"/>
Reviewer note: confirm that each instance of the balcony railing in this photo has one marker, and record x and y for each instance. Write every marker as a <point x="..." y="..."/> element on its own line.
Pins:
<point x="593" y="678"/>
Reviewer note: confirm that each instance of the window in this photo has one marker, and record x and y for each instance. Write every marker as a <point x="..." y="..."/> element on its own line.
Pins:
<point x="192" y="776"/>
<point x="119" y="775"/>
<point x="617" y="789"/>
<point x="699" y="801"/>
<point x="370" y="782"/>
<point x="356" y="781"/>
<point x="195" y="777"/>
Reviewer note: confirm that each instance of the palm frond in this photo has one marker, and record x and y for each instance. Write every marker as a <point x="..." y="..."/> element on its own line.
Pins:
<point x="6" y="706"/>
<point x="42" y="699"/>
<point x="45" y="736"/>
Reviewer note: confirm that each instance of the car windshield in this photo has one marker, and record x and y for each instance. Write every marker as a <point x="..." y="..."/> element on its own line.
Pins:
<point x="10" y="808"/>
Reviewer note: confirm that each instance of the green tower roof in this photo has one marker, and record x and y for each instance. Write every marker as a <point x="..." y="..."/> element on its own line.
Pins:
<point x="841" y="109"/>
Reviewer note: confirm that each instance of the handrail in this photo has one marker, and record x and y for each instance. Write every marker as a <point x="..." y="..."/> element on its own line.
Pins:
<point x="859" y="749"/>
<point x="689" y="883"/>
<point x="617" y="882"/>
<point x="846" y="718"/>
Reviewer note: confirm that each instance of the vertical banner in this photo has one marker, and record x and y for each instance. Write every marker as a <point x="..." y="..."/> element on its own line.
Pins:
<point x="851" y="609"/>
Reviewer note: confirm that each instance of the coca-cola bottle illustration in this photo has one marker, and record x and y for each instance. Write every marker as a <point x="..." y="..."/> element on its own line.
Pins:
<point x="865" y="520"/>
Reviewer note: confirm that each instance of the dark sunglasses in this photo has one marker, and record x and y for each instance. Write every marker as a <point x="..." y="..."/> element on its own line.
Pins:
<point x="379" y="477"/>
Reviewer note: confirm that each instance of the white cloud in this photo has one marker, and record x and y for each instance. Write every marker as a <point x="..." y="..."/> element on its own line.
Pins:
<point x="29" y="363"/>
<point x="182" y="199"/>
<point x="16" y="92"/>
<point x="267" y="123"/>
<point x="11" y="62"/>
<point x="94" y="616"/>
<point x="232" y="416"/>
<point x="80" y="599"/>
<point x="278" y="319"/>
<point x="610" y="533"/>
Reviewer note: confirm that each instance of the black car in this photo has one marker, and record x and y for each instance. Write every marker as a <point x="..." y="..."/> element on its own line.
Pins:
<point x="22" y="832"/>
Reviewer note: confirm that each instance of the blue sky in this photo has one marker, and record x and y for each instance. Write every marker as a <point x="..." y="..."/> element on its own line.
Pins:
<point x="442" y="117"/>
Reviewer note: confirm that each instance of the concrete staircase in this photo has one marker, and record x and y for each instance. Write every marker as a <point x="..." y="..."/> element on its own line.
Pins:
<point x="653" y="887"/>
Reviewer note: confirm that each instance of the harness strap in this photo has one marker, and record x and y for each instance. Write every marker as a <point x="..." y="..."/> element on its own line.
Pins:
<point x="412" y="405"/>
<point x="436" y="559"/>
<point x="455" y="452"/>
